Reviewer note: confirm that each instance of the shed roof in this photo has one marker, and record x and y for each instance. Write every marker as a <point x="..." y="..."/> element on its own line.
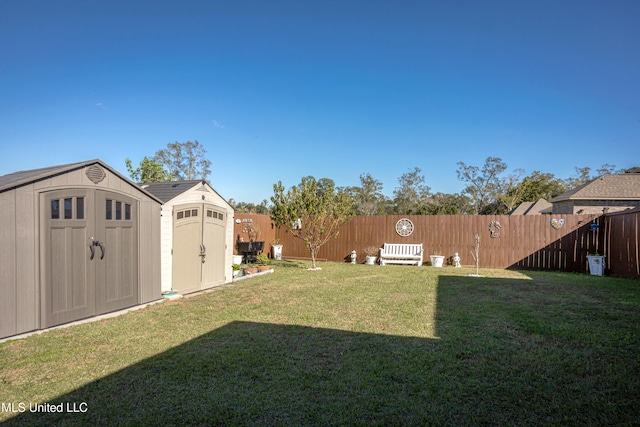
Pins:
<point x="169" y="190"/>
<point x="606" y="187"/>
<point x="18" y="179"/>
<point x="166" y="191"/>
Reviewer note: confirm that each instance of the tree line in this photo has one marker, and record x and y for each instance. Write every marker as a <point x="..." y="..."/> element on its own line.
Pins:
<point x="489" y="188"/>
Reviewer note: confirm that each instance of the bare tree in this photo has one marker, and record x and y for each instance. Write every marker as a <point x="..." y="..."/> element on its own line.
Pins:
<point x="412" y="194"/>
<point x="475" y="253"/>
<point x="483" y="184"/>
<point x="185" y="160"/>
<point x="369" y="199"/>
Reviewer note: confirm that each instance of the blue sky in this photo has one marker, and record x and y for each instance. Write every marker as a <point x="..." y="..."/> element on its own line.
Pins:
<point x="279" y="90"/>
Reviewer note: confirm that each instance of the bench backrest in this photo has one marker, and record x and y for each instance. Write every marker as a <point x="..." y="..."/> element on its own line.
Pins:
<point x="403" y="248"/>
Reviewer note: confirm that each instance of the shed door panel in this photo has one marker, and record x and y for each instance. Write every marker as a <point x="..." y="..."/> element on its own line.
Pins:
<point x="187" y="241"/>
<point x="117" y="270"/>
<point x="89" y="254"/>
<point x="213" y="239"/>
<point x="67" y="274"/>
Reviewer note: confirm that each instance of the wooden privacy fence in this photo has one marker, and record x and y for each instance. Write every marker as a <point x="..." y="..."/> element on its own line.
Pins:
<point x="622" y="243"/>
<point x="264" y="223"/>
<point x="517" y="241"/>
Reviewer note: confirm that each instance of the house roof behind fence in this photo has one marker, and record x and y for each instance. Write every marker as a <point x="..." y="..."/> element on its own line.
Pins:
<point x="606" y="187"/>
<point x="532" y="208"/>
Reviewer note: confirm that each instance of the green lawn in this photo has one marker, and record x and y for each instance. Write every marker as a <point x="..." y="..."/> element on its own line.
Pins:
<point x="348" y="345"/>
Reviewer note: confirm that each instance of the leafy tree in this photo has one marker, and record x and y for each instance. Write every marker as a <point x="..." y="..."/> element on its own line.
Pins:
<point x="185" y="160"/>
<point x="251" y="208"/>
<point x="447" y="204"/>
<point x="149" y="170"/>
<point x="496" y="207"/>
<point x="318" y="204"/>
<point x="412" y="194"/>
<point x="538" y="186"/>
<point x="483" y="184"/>
<point x="508" y="195"/>
<point x="263" y="207"/>
<point x="368" y="198"/>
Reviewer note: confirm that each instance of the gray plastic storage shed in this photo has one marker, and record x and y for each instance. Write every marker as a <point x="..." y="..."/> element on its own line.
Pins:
<point x="76" y="241"/>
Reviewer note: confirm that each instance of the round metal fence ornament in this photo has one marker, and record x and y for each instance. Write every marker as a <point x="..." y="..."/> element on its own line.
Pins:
<point x="404" y="227"/>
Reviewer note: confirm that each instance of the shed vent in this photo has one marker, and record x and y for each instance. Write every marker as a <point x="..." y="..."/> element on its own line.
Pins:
<point x="95" y="173"/>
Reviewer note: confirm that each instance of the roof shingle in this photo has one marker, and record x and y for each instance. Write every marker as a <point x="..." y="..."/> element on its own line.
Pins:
<point x="606" y="187"/>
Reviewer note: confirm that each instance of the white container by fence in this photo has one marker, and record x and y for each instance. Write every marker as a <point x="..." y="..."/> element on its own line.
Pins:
<point x="437" y="260"/>
<point x="276" y="252"/>
<point x="237" y="259"/>
<point x="596" y="264"/>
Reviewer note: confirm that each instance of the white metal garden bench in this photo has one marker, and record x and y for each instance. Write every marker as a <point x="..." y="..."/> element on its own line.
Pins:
<point x="401" y="253"/>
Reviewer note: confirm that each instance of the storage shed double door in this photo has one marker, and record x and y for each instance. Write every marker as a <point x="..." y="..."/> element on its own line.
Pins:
<point x="198" y="247"/>
<point x="89" y="254"/>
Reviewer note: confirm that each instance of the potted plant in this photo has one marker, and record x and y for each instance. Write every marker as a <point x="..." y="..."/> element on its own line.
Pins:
<point x="371" y="255"/>
<point x="262" y="262"/>
<point x="276" y="249"/>
<point x="249" y="269"/>
<point x="236" y="270"/>
<point x="596" y="264"/>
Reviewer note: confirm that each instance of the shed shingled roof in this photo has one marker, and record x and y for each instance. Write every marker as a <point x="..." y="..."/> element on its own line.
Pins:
<point x="166" y="191"/>
<point x="606" y="187"/>
<point x="18" y="179"/>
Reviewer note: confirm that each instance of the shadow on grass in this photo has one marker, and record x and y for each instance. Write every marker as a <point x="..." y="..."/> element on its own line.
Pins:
<point x="248" y="373"/>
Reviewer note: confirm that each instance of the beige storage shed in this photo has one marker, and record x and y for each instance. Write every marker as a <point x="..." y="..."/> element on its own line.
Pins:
<point x="197" y="236"/>
<point x="76" y="241"/>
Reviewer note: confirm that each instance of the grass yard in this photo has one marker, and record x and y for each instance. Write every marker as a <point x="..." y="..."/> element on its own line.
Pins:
<point x="348" y="345"/>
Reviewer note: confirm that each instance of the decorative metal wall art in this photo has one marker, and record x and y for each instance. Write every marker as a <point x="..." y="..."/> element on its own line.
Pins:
<point x="494" y="228"/>
<point x="557" y="224"/>
<point x="404" y="227"/>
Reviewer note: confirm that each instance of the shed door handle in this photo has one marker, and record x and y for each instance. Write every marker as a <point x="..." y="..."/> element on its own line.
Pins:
<point x="93" y="251"/>
<point x="102" y="249"/>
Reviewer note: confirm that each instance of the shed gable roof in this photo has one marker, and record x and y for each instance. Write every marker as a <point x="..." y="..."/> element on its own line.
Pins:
<point x="18" y="179"/>
<point x="168" y="190"/>
<point x="606" y="187"/>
